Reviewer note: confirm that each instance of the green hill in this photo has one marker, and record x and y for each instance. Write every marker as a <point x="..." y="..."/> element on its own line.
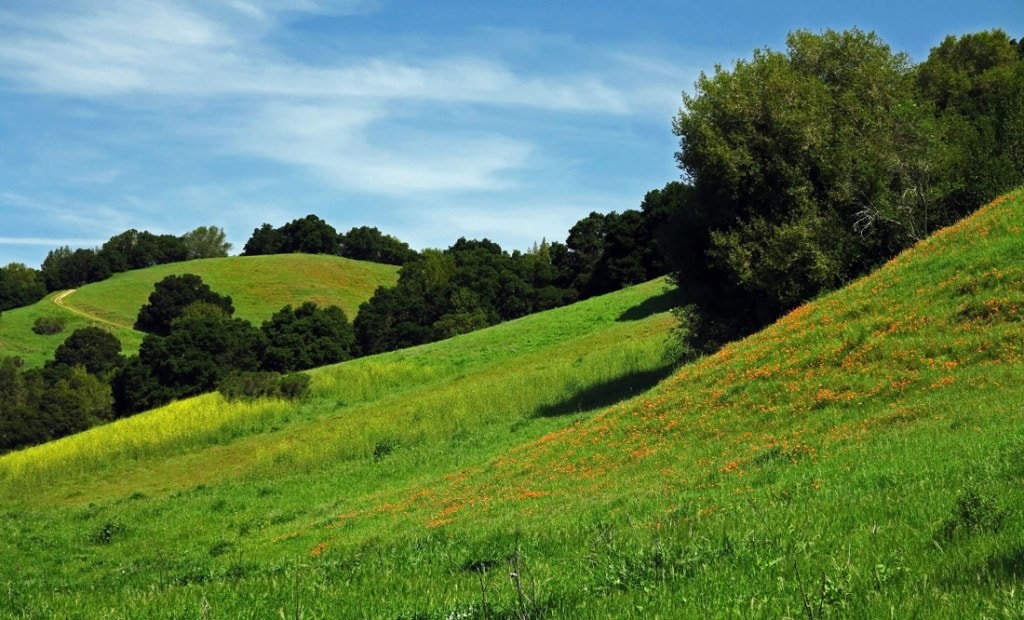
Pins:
<point x="860" y="458"/>
<point x="258" y="285"/>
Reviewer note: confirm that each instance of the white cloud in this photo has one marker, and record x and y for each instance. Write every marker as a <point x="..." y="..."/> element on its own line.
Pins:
<point x="156" y="48"/>
<point x="339" y="145"/>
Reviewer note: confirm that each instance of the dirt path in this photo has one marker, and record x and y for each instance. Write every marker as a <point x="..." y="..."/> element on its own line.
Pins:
<point x="59" y="300"/>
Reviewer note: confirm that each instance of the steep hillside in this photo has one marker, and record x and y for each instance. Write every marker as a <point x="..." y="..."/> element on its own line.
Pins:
<point x="862" y="457"/>
<point x="258" y="285"/>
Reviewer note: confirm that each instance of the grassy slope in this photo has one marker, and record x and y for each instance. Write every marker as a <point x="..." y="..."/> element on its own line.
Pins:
<point x="860" y="458"/>
<point x="258" y="285"/>
<point x="80" y="509"/>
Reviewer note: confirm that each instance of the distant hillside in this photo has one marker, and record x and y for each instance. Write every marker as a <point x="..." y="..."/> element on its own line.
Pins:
<point x="258" y="285"/>
<point x="860" y="458"/>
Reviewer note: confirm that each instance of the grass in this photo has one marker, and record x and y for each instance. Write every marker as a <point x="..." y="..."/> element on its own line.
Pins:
<point x="258" y="286"/>
<point x="860" y="458"/>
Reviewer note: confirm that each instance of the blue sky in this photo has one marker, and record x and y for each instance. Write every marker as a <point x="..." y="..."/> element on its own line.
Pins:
<point x="430" y="120"/>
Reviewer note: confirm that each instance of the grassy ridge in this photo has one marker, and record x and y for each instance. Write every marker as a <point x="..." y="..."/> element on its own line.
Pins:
<point x="557" y="363"/>
<point x="860" y="458"/>
<point x="258" y="285"/>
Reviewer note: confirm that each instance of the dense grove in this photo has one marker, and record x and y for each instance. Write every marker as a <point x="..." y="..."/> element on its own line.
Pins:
<point x="802" y="170"/>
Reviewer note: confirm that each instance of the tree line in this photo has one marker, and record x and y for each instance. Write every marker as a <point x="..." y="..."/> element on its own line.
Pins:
<point x="65" y="268"/>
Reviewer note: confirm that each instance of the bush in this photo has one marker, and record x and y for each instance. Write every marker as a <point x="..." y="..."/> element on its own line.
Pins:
<point x="48" y="325"/>
<point x="294" y="386"/>
<point x="253" y="385"/>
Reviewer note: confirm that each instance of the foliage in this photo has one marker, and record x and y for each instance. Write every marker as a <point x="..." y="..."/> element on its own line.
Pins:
<point x="474" y="283"/>
<point x="199" y="351"/>
<point x="20" y="286"/>
<point x="171" y="296"/>
<point x="976" y="84"/>
<point x="306" y="337"/>
<point x="368" y="243"/>
<point x="37" y="406"/>
<point x="206" y="242"/>
<point x="309" y="235"/>
<point x="64" y="268"/>
<point x="263" y="384"/>
<point x="811" y="166"/>
<point x="133" y="249"/>
<point x="49" y="325"/>
<point x="92" y="348"/>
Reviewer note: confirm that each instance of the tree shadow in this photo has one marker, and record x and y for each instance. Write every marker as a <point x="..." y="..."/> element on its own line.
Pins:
<point x="608" y="393"/>
<point x="664" y="302"/>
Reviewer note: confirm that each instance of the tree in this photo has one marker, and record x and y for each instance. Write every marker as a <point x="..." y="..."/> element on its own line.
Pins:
<point x="74" y="403"/>
<point x="309" y="235"/>
<point x="206" y="242"/>
<point x="366" y="243"/>
<point x="20" y="286"/>
<point x="264" y="240"/>
<point x="806" y="167"/>
<point x="171" y="296"/>
<point x="976" y="83"/>
<point x="133" y="249"/>
<point x="94" y="349"/>
<point x="64" y="268"/>
<point x="306" y="337"/>
<point x="198" y="352"/>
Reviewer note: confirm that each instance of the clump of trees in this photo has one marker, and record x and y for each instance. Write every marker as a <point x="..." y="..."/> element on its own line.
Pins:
<point x="808" y="167"/>
<point x="312" y="235"/>
<point x="474" y="283"/>
<point x="194" y="344"/>
<point x="69" y="394"/>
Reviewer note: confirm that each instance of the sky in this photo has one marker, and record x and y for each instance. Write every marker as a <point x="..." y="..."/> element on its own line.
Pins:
<point x="428" y="120"/>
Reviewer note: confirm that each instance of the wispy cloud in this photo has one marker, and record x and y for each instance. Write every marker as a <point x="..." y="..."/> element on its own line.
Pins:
<point x="324" y="118"/>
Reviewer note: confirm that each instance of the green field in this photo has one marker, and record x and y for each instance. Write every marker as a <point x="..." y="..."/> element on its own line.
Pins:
<point x="258" y="286"/>
<point x="862" y="457"/>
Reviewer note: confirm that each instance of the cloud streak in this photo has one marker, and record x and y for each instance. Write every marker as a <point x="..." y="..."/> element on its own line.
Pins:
<point x="324" y="119"/>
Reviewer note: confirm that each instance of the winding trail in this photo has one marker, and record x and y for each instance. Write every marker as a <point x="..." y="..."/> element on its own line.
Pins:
<point x="59" y="300"/>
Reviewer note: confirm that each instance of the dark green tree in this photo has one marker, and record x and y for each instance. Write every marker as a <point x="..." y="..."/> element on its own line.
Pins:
<point x="808" y="167"/>
<point x="976" y="83"/>
<point x="306" y="337"/>
<point x="200" y="350"/>
<point x="20" y="286"/>
<point x="171" y="296"/>
<point x="264" y="240"/>
<point x="309" y="235"/>
<point x="92" y="348"/>
<point x="369" y="244"/>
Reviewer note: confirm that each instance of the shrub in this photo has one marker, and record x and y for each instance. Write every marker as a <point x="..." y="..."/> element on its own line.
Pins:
<point x="261" y="384"/>
<point x="48" y="325"/>
<point x="294" y="386"/>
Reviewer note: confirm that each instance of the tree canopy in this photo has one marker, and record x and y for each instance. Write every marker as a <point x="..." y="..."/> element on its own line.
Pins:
<point x="171" y="296"/>
<point x="810" y="166"/>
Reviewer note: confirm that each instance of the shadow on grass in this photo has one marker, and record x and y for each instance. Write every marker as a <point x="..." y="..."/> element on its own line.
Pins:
<point x="664" y="302"/>
<point x="607" y="393"/>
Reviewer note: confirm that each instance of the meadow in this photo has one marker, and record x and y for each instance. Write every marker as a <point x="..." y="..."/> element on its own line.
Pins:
<point x="258" y="285"/>
<point x="860" y="458"/>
